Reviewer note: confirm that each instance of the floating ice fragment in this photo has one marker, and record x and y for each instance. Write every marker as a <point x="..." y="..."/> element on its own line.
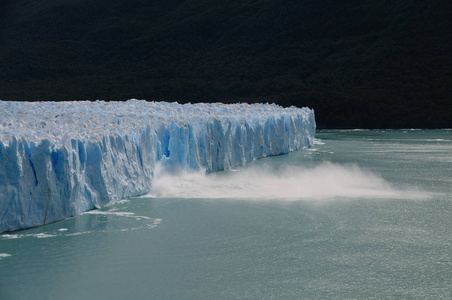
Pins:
<point x="4" y="255"/>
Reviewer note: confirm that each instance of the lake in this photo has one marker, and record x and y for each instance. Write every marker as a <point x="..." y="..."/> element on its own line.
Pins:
<point x="362" y="214"/>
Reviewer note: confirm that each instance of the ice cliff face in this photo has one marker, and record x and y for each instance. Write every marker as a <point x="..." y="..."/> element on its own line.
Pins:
<point x="58" y="160"/>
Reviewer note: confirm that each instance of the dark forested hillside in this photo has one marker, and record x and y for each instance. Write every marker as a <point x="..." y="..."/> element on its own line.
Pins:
<point x="367" y="64"/>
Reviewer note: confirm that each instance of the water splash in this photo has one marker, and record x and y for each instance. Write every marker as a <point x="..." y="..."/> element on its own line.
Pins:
<point x="325" y="181"/>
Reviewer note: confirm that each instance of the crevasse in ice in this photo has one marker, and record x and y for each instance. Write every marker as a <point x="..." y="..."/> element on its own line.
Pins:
<point x="59" y="159"/>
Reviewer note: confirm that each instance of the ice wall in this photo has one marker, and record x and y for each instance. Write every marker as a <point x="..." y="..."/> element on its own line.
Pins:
<point x="58" y="160"/>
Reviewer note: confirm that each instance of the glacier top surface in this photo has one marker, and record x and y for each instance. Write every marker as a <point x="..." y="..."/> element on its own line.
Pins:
<point x="85" y="120"/>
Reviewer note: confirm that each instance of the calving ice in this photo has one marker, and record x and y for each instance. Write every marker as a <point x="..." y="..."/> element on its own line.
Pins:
<point x="58" y="160"/>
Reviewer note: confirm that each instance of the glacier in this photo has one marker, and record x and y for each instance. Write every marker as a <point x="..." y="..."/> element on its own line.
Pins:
<point x="60" y="159"/>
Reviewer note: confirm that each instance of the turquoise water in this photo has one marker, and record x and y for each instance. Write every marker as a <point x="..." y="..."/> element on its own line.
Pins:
<point x="363" y="214"/>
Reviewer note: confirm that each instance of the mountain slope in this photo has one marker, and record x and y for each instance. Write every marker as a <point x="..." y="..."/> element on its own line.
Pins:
<point x="369" y="63"/>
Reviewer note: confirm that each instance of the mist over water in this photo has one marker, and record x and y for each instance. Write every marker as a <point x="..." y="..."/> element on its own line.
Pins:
<point x="288" y="183"/>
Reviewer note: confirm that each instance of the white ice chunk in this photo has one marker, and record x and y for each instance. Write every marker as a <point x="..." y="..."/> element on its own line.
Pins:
<point x="4" y="255"/>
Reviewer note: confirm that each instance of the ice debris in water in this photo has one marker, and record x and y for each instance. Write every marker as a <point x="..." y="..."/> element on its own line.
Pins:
<point x="59" y="159"/>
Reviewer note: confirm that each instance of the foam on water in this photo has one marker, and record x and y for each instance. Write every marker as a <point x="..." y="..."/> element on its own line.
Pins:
<point x="116" y="213"/>
<point x="42" y="235"/>
<point x="136" y="223"/>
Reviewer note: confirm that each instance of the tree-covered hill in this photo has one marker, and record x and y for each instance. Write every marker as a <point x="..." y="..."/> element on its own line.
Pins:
<point x="367" y="63"/>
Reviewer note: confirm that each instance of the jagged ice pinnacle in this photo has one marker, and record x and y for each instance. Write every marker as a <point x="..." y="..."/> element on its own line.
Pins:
<point x="60" y="159"/>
